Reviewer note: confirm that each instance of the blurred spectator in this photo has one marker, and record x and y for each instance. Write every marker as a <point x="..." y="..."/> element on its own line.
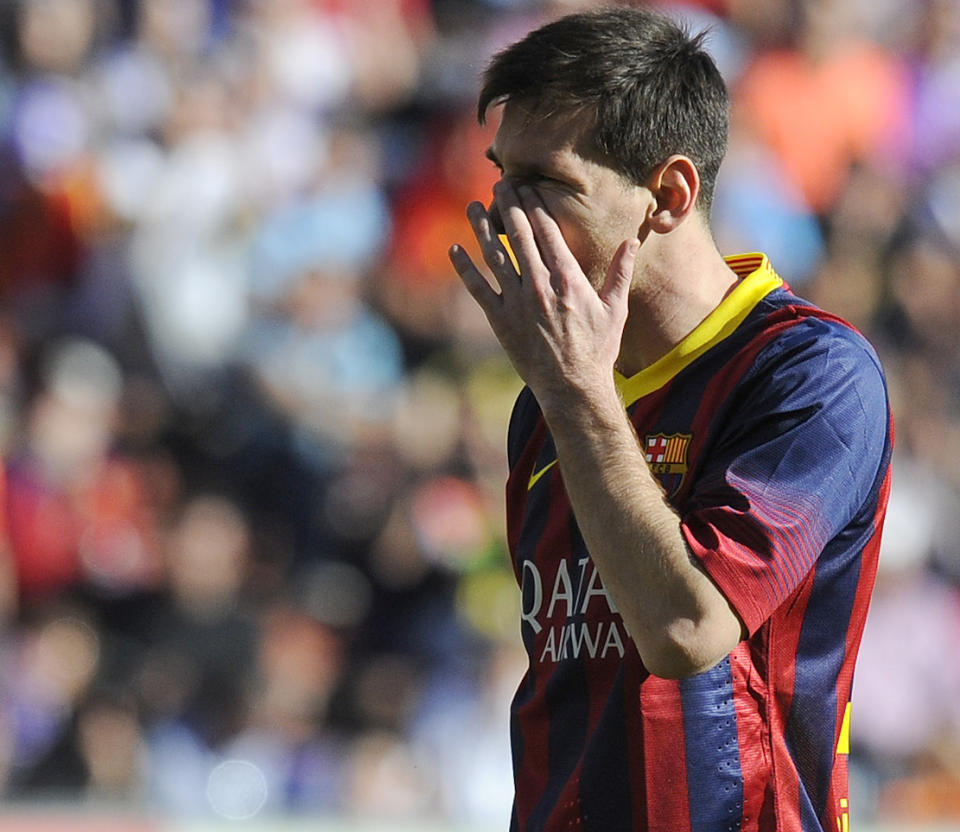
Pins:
<point x="775" y="220"/>
<point x="111" y="745"/>
<point x="78" y="513"/>
<point x="385" y="781"/>
<point x="461" y="731"/>
<point x="51" y="665"/>
<point x="287" y="735"/>
<point x="201" y="637"/>
<point x="194" y="674"/>
<point x="321" y="355"/>
<point x="824" y="103"/>
<point x="935" y="70"/>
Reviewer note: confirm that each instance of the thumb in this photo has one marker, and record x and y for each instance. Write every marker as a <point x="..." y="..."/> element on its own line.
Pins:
<point x="616" y="287"/>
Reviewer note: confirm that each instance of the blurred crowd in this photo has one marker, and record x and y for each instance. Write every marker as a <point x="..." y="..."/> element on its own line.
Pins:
<point x="253" y="427"/>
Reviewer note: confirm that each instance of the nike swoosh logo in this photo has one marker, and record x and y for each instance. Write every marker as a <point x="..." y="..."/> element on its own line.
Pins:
<point x="536" y="476"/>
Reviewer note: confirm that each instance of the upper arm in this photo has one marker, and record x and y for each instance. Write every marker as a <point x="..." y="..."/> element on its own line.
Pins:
<point x="800" y="460"/>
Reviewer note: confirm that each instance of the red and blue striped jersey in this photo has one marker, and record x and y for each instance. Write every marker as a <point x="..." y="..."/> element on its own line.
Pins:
<point x="769" y="430"/>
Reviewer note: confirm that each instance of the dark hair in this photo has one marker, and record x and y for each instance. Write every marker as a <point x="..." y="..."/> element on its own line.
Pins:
<point x="649" y="85"/>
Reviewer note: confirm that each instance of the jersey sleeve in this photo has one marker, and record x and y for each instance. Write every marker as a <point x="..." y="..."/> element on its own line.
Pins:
<point x="800" y="459"/>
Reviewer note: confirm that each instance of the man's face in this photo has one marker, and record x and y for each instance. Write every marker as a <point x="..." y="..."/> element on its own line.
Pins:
<point x="595" y="207"/>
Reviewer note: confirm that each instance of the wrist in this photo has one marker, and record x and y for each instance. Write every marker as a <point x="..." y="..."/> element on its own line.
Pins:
<point x="584" y="407"/>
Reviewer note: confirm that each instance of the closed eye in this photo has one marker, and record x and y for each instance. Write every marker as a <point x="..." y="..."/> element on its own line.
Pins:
<point x="539" y="182"/>
<point x="534" y="177"/>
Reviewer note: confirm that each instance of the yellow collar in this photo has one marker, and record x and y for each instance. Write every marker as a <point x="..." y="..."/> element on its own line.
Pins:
<point x="758" y="279"/>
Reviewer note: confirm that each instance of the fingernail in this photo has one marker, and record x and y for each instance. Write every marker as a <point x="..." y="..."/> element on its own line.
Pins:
<point x="457" y="257"/>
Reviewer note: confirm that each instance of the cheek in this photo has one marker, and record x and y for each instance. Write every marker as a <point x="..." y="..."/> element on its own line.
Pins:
<point x="575" y="230"/>
<point x="590" y="248"/>
<point x="590" y="254"/>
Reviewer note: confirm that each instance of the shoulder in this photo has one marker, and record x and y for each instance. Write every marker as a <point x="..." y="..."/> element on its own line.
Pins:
<point x="807" y="343"/>
<point x="819" y="371"/>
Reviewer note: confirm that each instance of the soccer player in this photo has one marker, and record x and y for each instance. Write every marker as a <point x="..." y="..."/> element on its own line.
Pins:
<point x="699" y="462"/>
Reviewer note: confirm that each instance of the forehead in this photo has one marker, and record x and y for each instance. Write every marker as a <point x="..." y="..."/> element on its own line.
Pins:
<point x="527" y="138"/>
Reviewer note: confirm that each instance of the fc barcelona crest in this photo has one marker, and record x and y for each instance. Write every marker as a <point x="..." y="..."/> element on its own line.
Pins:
<point x="667" y="457"/>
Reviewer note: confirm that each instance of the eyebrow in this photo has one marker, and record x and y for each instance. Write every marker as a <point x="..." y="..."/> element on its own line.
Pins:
<point x="529" y="169"/>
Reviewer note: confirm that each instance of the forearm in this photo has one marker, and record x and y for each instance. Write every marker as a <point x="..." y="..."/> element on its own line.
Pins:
<point x="678" y="619"/>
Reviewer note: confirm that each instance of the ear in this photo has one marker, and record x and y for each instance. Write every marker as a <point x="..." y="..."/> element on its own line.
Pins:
<point x="675" y="185"/>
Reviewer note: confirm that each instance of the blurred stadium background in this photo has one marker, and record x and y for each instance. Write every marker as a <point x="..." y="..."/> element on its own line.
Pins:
<point x="253" y="568"/>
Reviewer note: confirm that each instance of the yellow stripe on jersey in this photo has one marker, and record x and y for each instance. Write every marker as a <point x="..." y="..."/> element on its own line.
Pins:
<point x="758" y="280"/>
<point x="843" y="743"/>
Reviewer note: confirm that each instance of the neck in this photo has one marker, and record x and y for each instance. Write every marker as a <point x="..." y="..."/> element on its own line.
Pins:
<point x="681" y="279"/>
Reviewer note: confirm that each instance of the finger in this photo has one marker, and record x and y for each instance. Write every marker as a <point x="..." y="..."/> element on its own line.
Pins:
<point x="494" y="253"/>
<point x="616" y="286"/>
<point x="519" y="233"/>
<point x="477" y="285"/>
<point x="552" y="246"/>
